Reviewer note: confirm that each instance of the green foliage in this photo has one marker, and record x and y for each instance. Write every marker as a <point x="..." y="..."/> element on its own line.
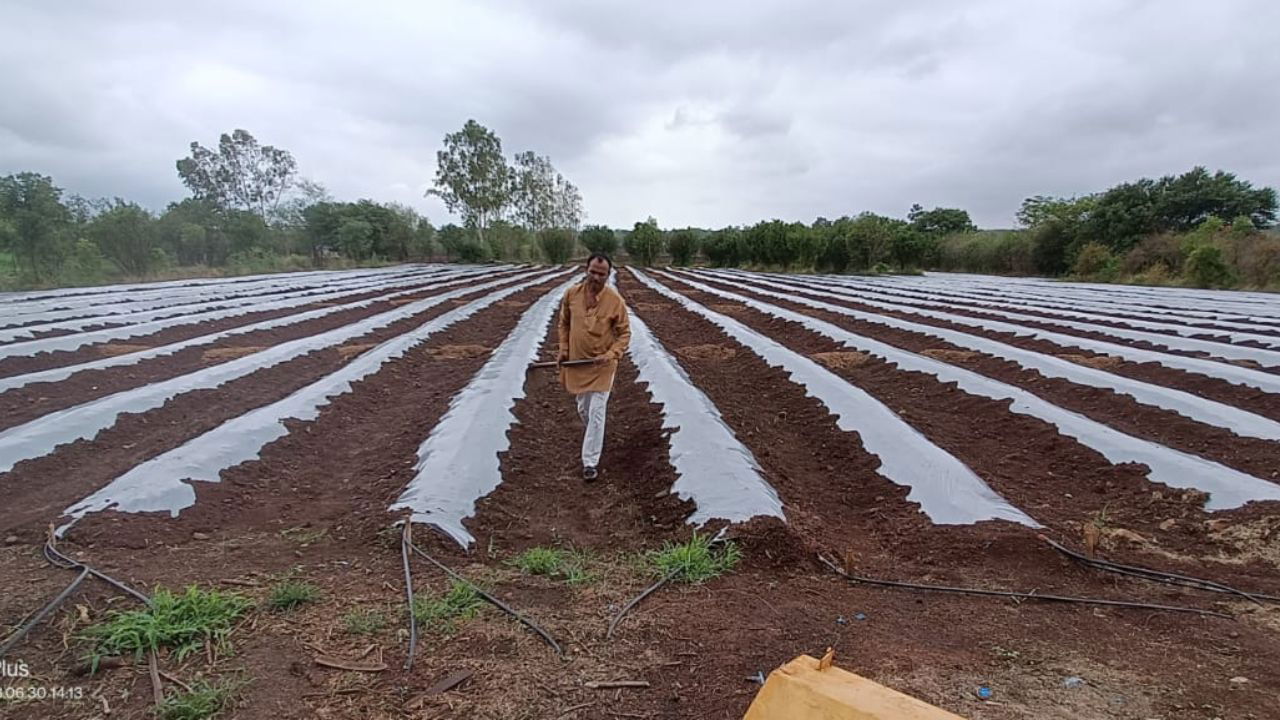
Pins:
<point x="472" y="175"/>
<point x="644" y="242"/>
<point x="1206" y="268"/>
<point x="290" y="595"/>
<point x="940" y="221"/>
<point x="722" y="247"/>
<point x="994" y="252"/>
<point x="38" y="230"/>
<point x="683" y="246"/>
<point x="569" y="565"/>
<point x="542" y="197"/>
<point x="184" y="623"/>
<point x="443" y="612"/>
<point x="1093" y="261"/>
<point x="694" y="561"/>
<point x="364" y="622"/>
<point x="204" y="701"/>
<point x="126" y="235"/>
<point x="241" y="175"/>
<point x="598" y="238"/>
<point x="459" y="244"/>
<point x="556" y="244"/>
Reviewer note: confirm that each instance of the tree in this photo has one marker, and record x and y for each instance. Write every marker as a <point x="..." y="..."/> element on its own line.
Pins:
<point x="355" y="238"/>
<point x="126" y="235"/>
<point x="1206" y="268"/>
<point x="40" y="237"/>
<point x="940" y="220"/>
<point x="461" y="245"/>
<point x="722" y="247"/>
<point x="683" y="245"/>
<point x="472" y="176"/>
<point x="241" y="175"/>
<point x="644" y="243"/>
<point x="598" y="238"/>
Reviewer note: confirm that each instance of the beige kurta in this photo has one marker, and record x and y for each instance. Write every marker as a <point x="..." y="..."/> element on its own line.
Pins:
<point x="602" y="331"/>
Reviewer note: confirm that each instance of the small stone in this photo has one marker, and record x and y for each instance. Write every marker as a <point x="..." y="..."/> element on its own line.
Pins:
<point x="1169" y="524"/>
<point x="1239" y="680"/>
<point x="11" y="540"/>
<point x="199" y="536"/>
<point x="1233" y="634"/>
<point x="1073" y="682"/>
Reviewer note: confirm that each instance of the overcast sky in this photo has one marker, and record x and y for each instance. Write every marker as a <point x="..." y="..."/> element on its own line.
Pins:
<point x="697" y="113"/>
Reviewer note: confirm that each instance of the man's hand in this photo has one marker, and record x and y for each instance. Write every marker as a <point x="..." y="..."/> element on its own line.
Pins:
<point x="600" y="360"/>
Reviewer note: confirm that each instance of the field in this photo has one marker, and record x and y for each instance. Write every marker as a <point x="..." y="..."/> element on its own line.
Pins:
<point x="261" y="437"/>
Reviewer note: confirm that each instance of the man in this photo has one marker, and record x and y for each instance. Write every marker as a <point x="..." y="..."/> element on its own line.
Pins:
<point x="593" y="326"/>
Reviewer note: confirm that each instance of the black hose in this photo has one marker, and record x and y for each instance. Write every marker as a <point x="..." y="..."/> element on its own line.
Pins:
<point x="22" y="632"/>
<point x="636" y="600"/>
<point x="405" y="542"/>
<point x="1157" y="575"/>
<point x="57" y="559"/>
<point x="492" y="600"/>
<point x="1024" y="596"/>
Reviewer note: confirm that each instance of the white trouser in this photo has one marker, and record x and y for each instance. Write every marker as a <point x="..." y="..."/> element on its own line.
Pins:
<point x="591" y="406"/>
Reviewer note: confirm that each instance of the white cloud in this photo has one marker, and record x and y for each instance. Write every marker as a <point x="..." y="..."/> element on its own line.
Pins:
<point x="697" y="113"/>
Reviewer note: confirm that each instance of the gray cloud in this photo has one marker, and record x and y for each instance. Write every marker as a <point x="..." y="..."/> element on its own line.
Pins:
<point x="698" y="113"/>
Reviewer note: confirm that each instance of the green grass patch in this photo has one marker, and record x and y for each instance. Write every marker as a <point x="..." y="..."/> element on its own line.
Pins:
<point x="568" y="565"/>
<point x="290" y="595"/>
<point x="364" y="621"/>
<point x="694" y="561"/>
<point x="203" y="702"/>
<point x="184" y="623"/>
<point x="443" y="612"/>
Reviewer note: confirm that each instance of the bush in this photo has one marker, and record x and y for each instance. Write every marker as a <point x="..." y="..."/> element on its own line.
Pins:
<point x="1205" y="268"/>
<point x="695" y="561"/>
<point x="1093" y="261"/>
<point x="556" y="245"/>
<point x="599" y="239"/>
<point x="683" y="245"/>
<point x="1164" y="250"/>
<point x="644" y="243"/>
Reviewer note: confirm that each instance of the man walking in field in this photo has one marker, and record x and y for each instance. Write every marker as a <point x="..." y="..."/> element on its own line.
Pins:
<point x="593" y="325"/>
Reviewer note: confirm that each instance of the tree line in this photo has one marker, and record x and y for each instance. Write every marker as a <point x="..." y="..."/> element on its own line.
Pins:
<point x="249" y="210"/>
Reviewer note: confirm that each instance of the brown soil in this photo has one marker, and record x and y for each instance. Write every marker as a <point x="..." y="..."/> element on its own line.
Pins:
<point x="841" y="360"/>
<point x="455" y="352"/>
<point x="706" y="352"/>
<point x="951" y="356"/>
<point x="232" y="353"/>
<point x="314" y="507"/>
<point x="114" y="349"/>
<point x="1102" y="362"/>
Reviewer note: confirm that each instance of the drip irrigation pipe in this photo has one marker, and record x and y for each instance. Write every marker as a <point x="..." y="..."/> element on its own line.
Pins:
<point x="636" y="601"/>
<point x="1157" y="575"/>
<point x="57" y="559"/>
<point x="492" y="600"/>
<point x="1020" y="595"/>
<point x="22" y="632"/>
<point x="405" y="542"/>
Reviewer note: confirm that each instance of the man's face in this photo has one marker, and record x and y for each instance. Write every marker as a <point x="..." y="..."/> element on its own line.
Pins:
<point x="597" y="273"/>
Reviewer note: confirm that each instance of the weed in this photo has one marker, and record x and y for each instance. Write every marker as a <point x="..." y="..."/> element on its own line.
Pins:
<point x="364" y="622"/>
<point x="443" y="612"/>
<point x="289" y="595"/>
<point x="204" y="701"/>
<point x="569" y="565"/>
<point x="694" y="561"/>
<point x="185" y="623"/>
<point x="304" y="536"/>
<point x="540" y="561"/>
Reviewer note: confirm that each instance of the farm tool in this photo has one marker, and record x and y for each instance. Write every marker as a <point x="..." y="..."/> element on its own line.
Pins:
<point x="556" y="364"/>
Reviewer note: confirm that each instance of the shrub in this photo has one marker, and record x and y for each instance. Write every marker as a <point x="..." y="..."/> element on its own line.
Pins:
<point x="721" y="247"/>
<point x="1205" y="268"/>
<point x="556" y="245"/>
<point x="1092" y="261"/>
